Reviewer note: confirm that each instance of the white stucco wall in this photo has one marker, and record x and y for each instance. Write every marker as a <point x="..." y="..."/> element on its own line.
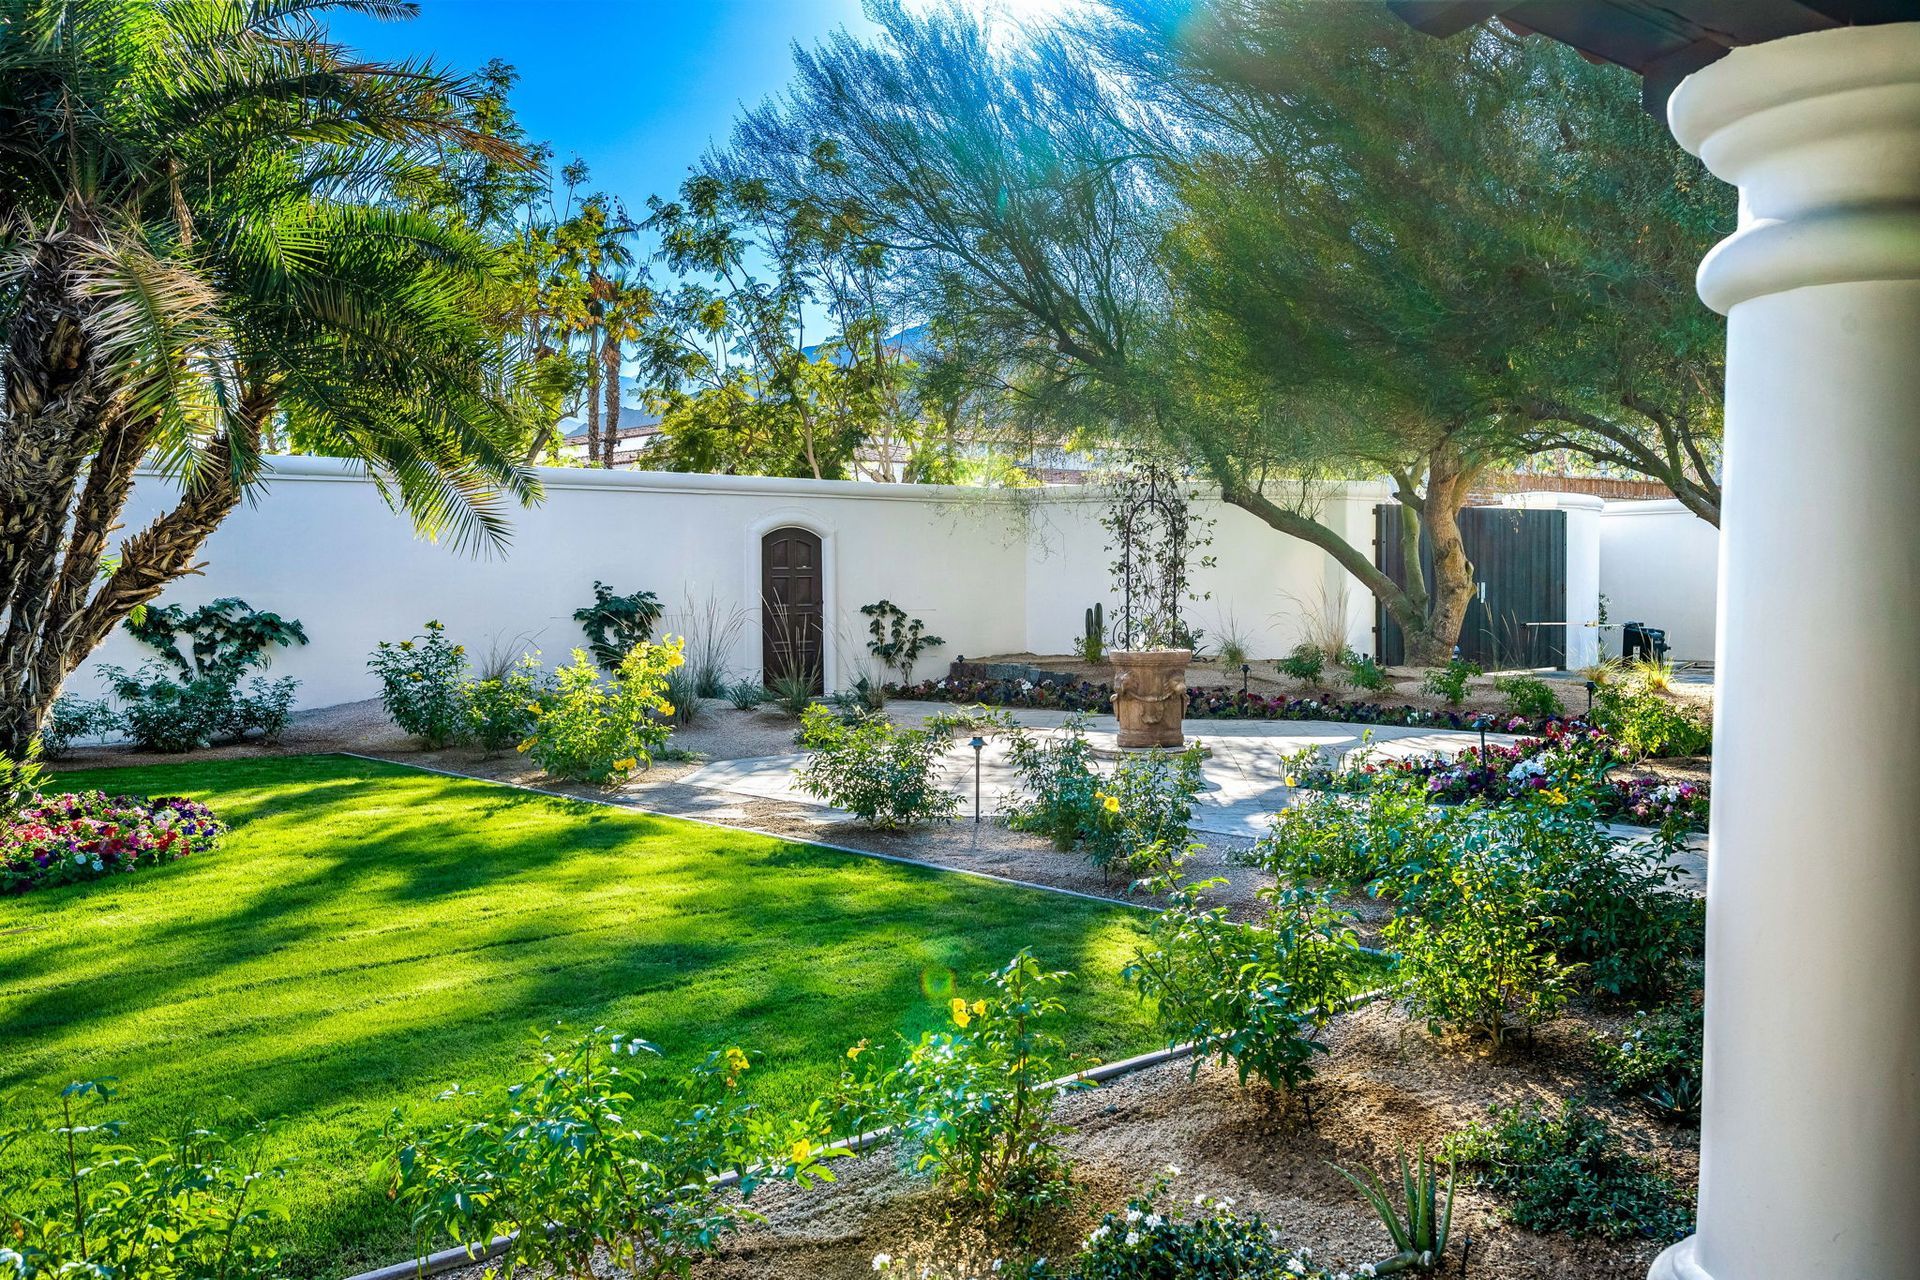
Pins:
<point x="1659" y="565"/>
<point x="1261" y="582"/>
<point x="990" y="571"/>
<point x="322" y="547"/>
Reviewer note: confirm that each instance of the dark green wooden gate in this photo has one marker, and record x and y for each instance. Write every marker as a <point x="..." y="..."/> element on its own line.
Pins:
<point x="1520" y="577"/>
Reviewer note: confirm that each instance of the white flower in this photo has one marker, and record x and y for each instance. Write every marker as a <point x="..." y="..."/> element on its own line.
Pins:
<point x="881" y="1261"/>
<point x="1199" y="1200"/>
<point x="1099" y="1234"/>
<point x="1154" y="1221"/>
<point x="1133" y="1237"/>
<point x="1526" y="769"/>
<point x="1366" y="1269"/>
<point x="1296" y="1266"/>
<point x="1133" y="1215"/>
<point x="1173" y="1170"/>
<point x="1226" y="1202"/>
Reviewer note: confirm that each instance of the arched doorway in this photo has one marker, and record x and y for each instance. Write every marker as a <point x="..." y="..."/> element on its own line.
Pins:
<point x="792" y="606"/>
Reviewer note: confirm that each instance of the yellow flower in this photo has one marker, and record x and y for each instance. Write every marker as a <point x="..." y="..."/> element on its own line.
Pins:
<point x="1292" y="781"/>
<point x="979" y="1008"/>
<point x="1110" y="803"/>
<point x="737" y="1061"/>
<point x="856" y="1051"/>
<point x="960" y="1015"/>
<point x="800" y="1150"/>
<point x="459" y="649"/>
<point x="524" y="746"/>
<point x="1556" y="796"/>
<point x="627" y="763"/>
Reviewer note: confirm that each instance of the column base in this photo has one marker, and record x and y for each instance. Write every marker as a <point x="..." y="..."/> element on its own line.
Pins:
<point x="1677" y="1262"/>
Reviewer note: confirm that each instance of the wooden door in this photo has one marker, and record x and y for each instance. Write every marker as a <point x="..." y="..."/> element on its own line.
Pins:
<point x="1519" y="562"/>
<point x="792" y="606"/>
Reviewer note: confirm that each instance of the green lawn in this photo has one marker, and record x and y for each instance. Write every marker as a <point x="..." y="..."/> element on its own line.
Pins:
<point x="370" y="934"/>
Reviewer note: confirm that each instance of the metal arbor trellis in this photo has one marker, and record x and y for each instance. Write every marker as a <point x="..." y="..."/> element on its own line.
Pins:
<point x="1149" y="518"/>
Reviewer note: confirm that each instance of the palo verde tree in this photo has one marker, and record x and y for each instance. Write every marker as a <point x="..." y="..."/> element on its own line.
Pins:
<point x="1293" y="243"/>
<point x="203" y="239"/>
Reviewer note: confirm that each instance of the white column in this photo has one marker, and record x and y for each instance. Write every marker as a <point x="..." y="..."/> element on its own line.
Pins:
<point x="1810" y="1162"/>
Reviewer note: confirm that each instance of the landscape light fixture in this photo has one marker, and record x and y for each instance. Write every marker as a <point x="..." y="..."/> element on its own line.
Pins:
<point x="1591" y="686"/>
<point x="1246" y="672"/>
<point x="1480" y="723"/>
<point x="977" y="743"/>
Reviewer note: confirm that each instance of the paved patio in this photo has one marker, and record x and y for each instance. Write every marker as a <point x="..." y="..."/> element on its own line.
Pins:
<point x="1244" y="770"/>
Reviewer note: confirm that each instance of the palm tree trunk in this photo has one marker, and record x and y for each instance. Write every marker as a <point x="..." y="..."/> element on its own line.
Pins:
<point x="610" y="422"/>
<point x="593" y="410"/>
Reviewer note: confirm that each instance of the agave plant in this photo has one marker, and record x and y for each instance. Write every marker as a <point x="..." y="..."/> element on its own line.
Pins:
<point x="205" y="248"/>
<point x="1418" y="1223"/>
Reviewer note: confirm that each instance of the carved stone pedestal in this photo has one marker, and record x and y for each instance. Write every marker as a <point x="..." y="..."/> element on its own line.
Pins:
<point x="1150" y="695"/>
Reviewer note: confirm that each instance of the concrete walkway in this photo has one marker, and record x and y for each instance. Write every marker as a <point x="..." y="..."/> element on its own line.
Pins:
<point x="1244" y="771"/>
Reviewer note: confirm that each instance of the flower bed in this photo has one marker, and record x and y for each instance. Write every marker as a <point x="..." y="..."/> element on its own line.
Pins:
<point x="1219" y="704"/>
<point x="85" y="835"/>
<point x="1571" y="759"/>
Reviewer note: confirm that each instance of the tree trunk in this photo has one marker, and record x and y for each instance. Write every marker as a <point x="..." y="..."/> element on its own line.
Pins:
<point x="593" y="412"/>
<point x="610" y="423"/>
<point x="52" y="624"/>
<point x="1448" y="482"/>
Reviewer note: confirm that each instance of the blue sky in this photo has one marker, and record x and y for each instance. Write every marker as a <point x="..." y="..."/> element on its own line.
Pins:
<point x="637" y="88"/>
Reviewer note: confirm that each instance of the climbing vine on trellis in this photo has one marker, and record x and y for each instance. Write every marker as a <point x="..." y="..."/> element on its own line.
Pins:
<point x="1157" y="541"/>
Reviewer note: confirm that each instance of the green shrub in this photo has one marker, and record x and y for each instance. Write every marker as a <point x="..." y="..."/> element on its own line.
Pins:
<point x="193" y="1206"/>
<point x="1256" y="996"/>
<point x="601" y="731"/>
<point x="1349" y="842"/>
<point x="71" y="718"/>
<point x="1153" y="1240"/>
<point x="615" y="624"/>
<point x="167" y="714"/>
<point x="973" y="1102"/>
<point x="1449" y="683"/>
<point x="1305" y="663"/>
<point x="683" y="691"/>
<point x="555" y="1161"/>
<point x="792" y="693"/>
<point x="1607" y="907"/>
<point x="745" y="695"/>
<point x="421" y="684"/>
<point x="866" y="697"/>
<point x="502" y="712"/>
<point x="1656" y="1059"/>
<point x="1566" y="1171"/>
<point x="225" y="636"/>
<point x="883" y="774"/>
<point x="1058" y="781"/>
<point x="1364" y="673"/>
<point x="1144" y="807"/>
<point x="1529" y="696"/>
<point x="898" y="641"/>
<point x="1473" y="953"/>
<point x="1647" y="723"/>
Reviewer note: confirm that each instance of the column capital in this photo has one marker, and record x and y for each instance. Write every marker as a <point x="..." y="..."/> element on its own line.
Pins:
<point x="1821" y="134"/>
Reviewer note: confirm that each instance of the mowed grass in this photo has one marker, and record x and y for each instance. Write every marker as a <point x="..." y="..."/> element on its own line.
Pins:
<point x="369" y="935"/>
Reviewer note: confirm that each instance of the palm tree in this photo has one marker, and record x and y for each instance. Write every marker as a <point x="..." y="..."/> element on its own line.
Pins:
<point x="199" y="244"/>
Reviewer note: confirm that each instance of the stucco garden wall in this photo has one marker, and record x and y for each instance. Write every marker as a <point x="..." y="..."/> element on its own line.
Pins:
<point x="991" y="571"/>
<point x="1659" y="565"/>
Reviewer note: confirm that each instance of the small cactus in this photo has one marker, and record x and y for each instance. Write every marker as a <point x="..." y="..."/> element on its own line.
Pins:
<point x="1093" y="640"/>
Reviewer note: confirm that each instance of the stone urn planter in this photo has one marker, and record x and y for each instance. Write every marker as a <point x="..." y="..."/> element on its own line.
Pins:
<point x="1150" y="695"/>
